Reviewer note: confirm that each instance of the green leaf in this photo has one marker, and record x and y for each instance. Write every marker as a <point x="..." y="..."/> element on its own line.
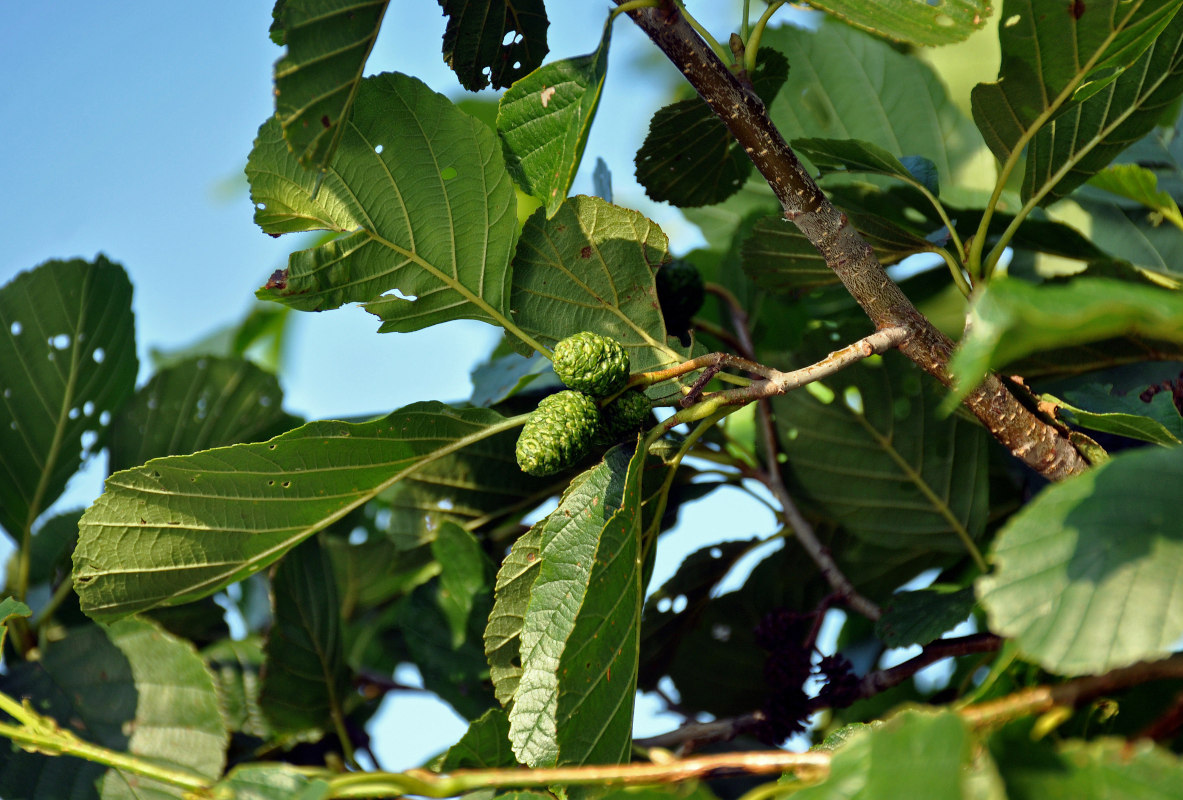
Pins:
<point x="507" y="374"/>
<point x="235" y="664"/>
<point x="923" y="616"/>
<point x="305" y="681"/>
<point x="49" y="550"/>
<point x="419" y="192"/>
<point x="67" y="362"/>
<point x="442" y="622"/>
<point x="874" y="455"/>
<point x="689" y="158"/>
<point x="262" y="781"/>
<point x="1085" y="575"/>
<point x="1156" y="421"/>
<point x="484" y="745"/>
<point x="478" y="45"/>
<point x="851" y="155"/>
<point x="1106" y="769"/>
<point x="515" y="580"/>
<point x="182" y="527"/>
<point x="935" y="23"/>
<point x="778" y="257"/>
<point x="544" y="120"/>
<point x="1010" y="319"/>
<point x="590" y="268"/>
<point x="1046" y="49"/>
<point x="579" y="639"/>
<point x="927" y="753"/>
<point x="1137" y="183"/>
<point x="11" y="607"/>
<point x="328" y="42"/>
<point x="847" y="85"/>
<point x="196" y="405"/>
<point x="1155" y="251"/>
<point x="128" y="687"/>
<point x="1082" y="139"/>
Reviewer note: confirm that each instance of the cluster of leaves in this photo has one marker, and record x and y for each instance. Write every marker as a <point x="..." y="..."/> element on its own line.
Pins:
<point x="345" y="549"/>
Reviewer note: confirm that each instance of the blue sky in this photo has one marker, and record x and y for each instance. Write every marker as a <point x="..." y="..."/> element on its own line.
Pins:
<point x="125" y="128"/>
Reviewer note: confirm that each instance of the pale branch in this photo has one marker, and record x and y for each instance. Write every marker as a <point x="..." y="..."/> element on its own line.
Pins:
<point x="1041" y="699"/>
<point x="688" y="737"/>
<point x="1037" y="443"/>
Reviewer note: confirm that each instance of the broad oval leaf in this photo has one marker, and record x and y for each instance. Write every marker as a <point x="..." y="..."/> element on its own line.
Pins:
<point x="1084" y="138"/>
<point x="1086" y="575"/>
<point x="580" y="632"/>
<point x="67" y="363"/>
<point x="590" y="268"/>
<point x="197" y="404"/>
<point x="419" y="192"/>
<point x="182" y="527"/>
<point x="544" y="120"/>
<point x="926" y="23"/>
<point x="129" y="687"/>
<point x="328" y="43"/>
<point x="305" y="681"/>
<point x="689" y="158"/>
<point x="494" y="41"/>
<point x="874" y="455"/>
<point x="1011" y="319"/>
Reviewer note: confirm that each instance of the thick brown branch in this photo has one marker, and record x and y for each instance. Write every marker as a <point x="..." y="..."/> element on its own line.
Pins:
<point x="883" y="679"/>
<point x="1038" y="444"/>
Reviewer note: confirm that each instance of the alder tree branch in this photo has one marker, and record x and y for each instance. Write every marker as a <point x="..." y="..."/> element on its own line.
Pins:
<point x="1038" y="444"/>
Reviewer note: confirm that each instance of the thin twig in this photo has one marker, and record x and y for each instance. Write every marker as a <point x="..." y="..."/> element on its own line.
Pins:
<point x="881" y="680"/>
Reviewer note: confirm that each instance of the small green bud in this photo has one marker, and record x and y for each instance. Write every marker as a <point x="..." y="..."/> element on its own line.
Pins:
<point x="558" y="433"/>
<point x="591" y="363"/>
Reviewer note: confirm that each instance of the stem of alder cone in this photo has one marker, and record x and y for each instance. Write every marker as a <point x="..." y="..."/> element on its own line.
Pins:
<point x="1038" y="444"/>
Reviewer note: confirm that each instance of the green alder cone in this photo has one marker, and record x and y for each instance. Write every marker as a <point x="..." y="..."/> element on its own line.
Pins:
<point x="623" y="417"/>
<point x="591" y="363"/>
<point x="558" y="434"/>
<point x="680" y="292"/>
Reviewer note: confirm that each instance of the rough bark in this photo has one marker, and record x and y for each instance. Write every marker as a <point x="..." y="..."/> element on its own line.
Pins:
<point x="1037" y="443"/>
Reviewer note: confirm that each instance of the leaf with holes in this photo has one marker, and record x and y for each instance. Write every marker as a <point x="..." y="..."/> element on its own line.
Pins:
<point x="67" y="363"/>
<point x="1086" y="575"/>
<point x="590" y="268"/>
<point x="305" y="681"/>
<point x="197" y="404"/>
<point x="328" y="43"/>
<point x="129" y="687"/>
<point x="182" y="527"/>
<point x="544" y="120"/>
<point x="868" y="450"/>
<point x="689" y="158"/>
<point x="419" y="192"/>
<point x="930" y="23"/>
<point x="494" y="41"/>
<point x="580" y="632"/>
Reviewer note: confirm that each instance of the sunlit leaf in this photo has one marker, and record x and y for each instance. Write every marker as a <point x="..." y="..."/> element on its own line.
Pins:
<point x="1086" y="575"/>
<point x="276" y="781"/>
<point x="503" y="634"/>
<point x="928" y="23"/>
<point x="1098" y="408"/>
<point x="544" y="120"/>
<point x="419" y="192"/>
<point x="590" y="268"/>
<point x="67" y="363"/>
<point x="1106" y="769"/>
<point x="182" y="527"/>
<point x="328" y="42"/>
<point x="1139" y="184"/>
<point x="1011" y="319"/>
<point x="579" y="638"/>
<point x="494" y="41"/>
